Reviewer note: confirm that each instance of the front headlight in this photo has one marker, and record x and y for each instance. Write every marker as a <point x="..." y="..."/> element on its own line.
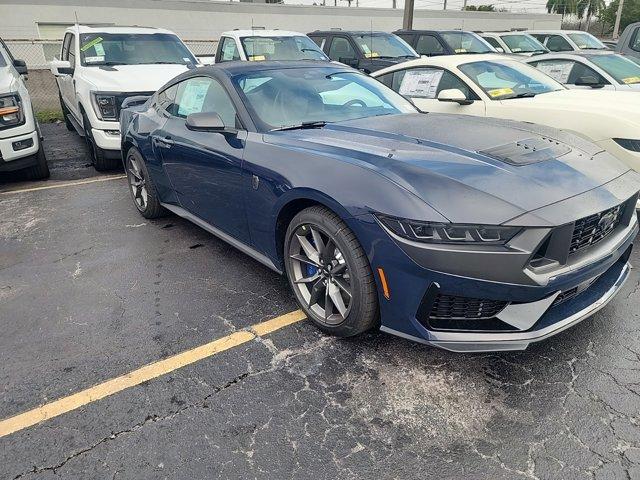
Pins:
<point x="104" y="105"/>
<point x="628" y="144"/>
<point x="11" y="113"/>
<point x="428" y="232"/>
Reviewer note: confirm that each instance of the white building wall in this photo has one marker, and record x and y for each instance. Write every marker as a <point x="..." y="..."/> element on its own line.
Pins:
<point x="206" y="20"/>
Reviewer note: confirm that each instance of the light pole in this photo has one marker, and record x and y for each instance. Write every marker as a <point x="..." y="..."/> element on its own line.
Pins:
<point x="407" y="20"/>
<point x="616" y="28"/>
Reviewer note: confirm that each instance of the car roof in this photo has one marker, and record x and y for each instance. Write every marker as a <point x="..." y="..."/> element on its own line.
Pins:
<point x="118" y="29"/>
<point x="348" y="32"/>
<point x="240" y="67"/>
<point x="262" y="33"/>
<point x="557" y="32"/>
<point x="433" y="31"/>
<point x="454" y="60"/>
<point x="573" y="53"/>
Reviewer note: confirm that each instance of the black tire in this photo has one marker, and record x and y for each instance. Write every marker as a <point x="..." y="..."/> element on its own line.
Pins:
<point x="151" y="207"/>
<point x="98" y="158"/>
<point x="65" y="115"/>
<point x="362" y="313"/>
<point x="40" y="170"/>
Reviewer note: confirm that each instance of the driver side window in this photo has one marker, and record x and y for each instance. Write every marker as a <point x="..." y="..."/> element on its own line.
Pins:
<point x="556" y="43"/>
<point x="204" y="95"/>
<point x="229" y="50"/>
<point x="341" y="49"/>
<point x="425" y="83"/>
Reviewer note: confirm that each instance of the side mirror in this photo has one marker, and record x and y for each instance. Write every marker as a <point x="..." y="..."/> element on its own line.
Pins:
<point x="454" y="95"/>
<point x="207" y="122"/>
<point x="589" y="81"/>
<point x="351" y="62"/>
<point x="20" y="66"/>
<point x="61" y="67"/>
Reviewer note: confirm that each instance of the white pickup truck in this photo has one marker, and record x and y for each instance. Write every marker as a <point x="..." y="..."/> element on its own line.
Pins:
<point x="20" y="141"/>
<point x="101" y="66"/>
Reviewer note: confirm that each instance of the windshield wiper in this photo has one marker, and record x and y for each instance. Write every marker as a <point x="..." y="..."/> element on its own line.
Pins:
<point x="300" y="126"/>
<point x="522" y="95"/>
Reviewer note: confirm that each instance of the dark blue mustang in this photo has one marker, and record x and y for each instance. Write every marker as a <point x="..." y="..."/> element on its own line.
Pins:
<point x="465" y="233"/>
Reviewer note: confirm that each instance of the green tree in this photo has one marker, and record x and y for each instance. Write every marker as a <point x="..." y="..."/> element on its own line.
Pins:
<point x="480" y="8"/>
<point x="563" y="7"/>
<point x="630" y="13"/>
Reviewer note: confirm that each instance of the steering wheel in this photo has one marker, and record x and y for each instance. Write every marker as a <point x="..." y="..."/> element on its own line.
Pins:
<point x="355" y="103"/>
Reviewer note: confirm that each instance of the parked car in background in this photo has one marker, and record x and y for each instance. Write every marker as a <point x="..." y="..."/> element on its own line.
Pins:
<point x="431" y="43"/>
<point x="597" y="70"/>
<point x="517" y="43"/>
<point x="366" y="51"/>
<point x="260" y="45"/>
<point x="20" y="140"/>
<point x="610" y="44"/>
<point x="490" y="86"/>
<point x="629" y="41"/>
<point x="567" y="40"/>
<point x="460" y="232"/>
<point x="101" y="66"/>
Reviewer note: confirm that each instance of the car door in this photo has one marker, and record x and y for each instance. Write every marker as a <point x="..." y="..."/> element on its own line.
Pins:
<point x="422" y="85"/>
<point x="228" y="50"/>
<point x="205" y="167"/>
<point x="66" y="82"/>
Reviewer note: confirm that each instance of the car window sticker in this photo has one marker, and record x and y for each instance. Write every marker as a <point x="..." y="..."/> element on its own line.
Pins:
<point x="500" y="92"/>
<point x="99" y="49"/>
<point x="420" y="83"/>
<point x="95" y="59"/>
<point x="193" y="96"/>
<point x="90" y="44"/>
<point x="559" y="71"/>
<point x="631" y="80"/>
<point x="257" y="58"/>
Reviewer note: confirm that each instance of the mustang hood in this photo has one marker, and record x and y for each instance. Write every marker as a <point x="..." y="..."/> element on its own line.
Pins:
<point x="468" y="169"/>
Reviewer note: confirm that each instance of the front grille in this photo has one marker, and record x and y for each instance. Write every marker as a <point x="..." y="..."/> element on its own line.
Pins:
<point x="564" y="296"/>
<point x="590" y="230"/>
<point x="465" y="308"/>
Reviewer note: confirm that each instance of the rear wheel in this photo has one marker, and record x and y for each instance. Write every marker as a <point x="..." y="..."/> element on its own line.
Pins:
<point x="98" y="158"/>
<point x="142" y="188"/>
<point x="329" y="273"/>
<point x="40" y="170"/>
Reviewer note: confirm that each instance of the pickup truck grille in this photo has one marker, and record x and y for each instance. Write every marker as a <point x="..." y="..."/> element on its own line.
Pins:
<point x="592" y="229"/>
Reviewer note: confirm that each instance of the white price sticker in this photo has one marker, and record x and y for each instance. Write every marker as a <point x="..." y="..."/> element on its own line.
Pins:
<point x="421" y="83"/>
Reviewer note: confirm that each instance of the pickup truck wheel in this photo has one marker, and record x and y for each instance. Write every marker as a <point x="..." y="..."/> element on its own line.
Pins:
<point x="143" y="190"/>
<point x="329" y="273"/>
<point x="40" y="170"/>
<point x="65" y="115"/>
<point x="98" y="158"/>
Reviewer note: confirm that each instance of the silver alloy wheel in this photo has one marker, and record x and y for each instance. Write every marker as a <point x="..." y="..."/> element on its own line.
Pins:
<point x="321" y="274"/>
<point x="137" y="182"/>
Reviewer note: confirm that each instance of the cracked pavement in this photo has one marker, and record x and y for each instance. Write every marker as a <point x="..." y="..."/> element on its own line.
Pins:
<point x="89" y="290"/>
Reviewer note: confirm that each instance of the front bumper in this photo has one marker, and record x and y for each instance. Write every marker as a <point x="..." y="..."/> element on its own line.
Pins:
<point x="551" y="323"/>
<point x="107" y="140"/>
<point x="9" y="154"/>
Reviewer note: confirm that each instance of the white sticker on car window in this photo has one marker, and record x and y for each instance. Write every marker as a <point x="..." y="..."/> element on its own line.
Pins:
<point x="559" y="71"/>
<point x="420" y="83"/>
<point x="99" y="49"/>
<point x="193" y="97"/>
<point x="94" y="59"/>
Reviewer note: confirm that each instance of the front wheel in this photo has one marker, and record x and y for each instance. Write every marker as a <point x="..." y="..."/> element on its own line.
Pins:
<point x="100" y="161"/>
<point x="329" y="273"/>
<point x="40" y="170"/>
<point x="143" y="191"/>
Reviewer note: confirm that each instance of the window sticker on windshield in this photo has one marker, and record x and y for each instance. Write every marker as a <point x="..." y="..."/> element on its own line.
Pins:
<point x="372" y="54"/>
<point x="516" y="49"/>
<point x="461" y="50"/>
<point x="96" y="59"/>
<point x="422" y="83"/>
<point x="630" y="80"/>
<point x="93" y="42"/>
<point x="193" y="97"/>
<point x="365" y="49"/>
<point x="559" y="71"/>
<point x="257" y="58"/>
<point x="500" y="92"/>
<point x="99" y="49"/>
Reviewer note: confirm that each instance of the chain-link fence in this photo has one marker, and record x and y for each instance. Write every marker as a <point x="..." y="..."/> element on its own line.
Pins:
<point x="41" y="83"/>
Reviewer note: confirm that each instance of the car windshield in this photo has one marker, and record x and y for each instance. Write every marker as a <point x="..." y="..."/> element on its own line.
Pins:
<point x="281" y="48"/>
<point x="509" y="79"/>
<point x="133" y="49"/>
<point x="384" y="45"/>
<point x="523" y="44"/>
<point x="294" y="96"/>
<point x="623" y="70"/>
<point x="586" y="41"/>
<point x="466" y="42"/>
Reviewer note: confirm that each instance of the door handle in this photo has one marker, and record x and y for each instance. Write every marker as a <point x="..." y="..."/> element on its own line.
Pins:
<point x="164" y="142"/>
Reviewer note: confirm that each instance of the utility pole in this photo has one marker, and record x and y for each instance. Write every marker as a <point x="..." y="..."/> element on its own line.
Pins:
<point x="394" y="4"/>
<point x="616" y="28"/>
<point x="445" y="5"/>
<point x="407" y="20"/>
<point x="464" y="5"/>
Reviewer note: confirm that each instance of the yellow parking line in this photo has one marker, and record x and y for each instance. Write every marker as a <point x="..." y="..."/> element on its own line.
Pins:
<point x="64" y="185"/>
<point x="143" y="374"/>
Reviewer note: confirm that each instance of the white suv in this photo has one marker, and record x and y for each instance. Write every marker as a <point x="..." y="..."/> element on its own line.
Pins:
<point x="258" y="45"/>
<point x="20" y="141"/>
<point x="100" y="67"/>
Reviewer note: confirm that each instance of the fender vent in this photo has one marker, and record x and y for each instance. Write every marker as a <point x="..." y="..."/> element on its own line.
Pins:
<point x="528" y="151"/>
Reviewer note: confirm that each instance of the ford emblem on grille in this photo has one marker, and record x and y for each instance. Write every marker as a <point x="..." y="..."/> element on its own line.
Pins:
<point x="607" y="220"/>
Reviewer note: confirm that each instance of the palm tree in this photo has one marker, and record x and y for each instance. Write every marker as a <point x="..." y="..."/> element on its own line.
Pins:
<point x="563" y="7"/>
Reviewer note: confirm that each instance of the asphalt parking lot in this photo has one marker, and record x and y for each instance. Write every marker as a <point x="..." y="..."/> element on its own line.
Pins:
<point x="91" y="292"/>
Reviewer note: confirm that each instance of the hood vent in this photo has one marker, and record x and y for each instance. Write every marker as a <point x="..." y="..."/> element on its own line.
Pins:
<point x="528" y="151"/>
